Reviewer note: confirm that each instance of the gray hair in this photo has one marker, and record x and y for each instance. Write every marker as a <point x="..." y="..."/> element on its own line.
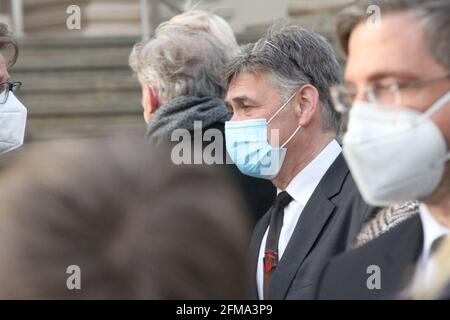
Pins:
<point x="293" y="56"/>
<point x="207" y="22"/>
<point x="181" y="61"/>
<point x="434" y="14"/>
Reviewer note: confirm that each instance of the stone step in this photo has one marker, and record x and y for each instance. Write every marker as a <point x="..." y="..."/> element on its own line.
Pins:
<point x="78" y="87"/>
<point x="76" y="80"/>
<point x="56" y="54"/>
<point x="50" y="43"/>
<point x="86" y="103"/>
<point x="97" y="18"/>
<point x="63" y="59"/>
<point x="79" y="126"/>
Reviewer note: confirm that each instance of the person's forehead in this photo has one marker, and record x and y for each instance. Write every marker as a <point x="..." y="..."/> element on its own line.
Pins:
<point x="250" y="84"/>
<point x="398" y="46"/>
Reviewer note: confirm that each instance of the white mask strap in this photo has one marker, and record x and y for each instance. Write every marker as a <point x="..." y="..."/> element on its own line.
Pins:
<point x="290" y="138"/>
<point x="443" y="160"/>
<point x="447" y="157"/>
<point x="436" y="106"/>
<point x="282" y="107"/>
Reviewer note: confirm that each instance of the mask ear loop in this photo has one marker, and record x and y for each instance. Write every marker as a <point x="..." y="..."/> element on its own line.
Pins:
<point x="278" y="111"/>
<point x="447" y="157"/>
<point x="292" y="136"/>
<point x="441" y="161"/>
<point x="281" y="108"/>
<point x="436" y="106"/>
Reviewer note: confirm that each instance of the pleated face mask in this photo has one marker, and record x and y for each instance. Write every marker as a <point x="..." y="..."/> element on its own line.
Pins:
<point x="395" y="154"/>
<point x="249" y="148"/>
<point x="13" y="117"/>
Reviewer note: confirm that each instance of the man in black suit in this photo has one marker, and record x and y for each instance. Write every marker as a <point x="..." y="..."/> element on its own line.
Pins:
<point x="283" y="129"/>
<point x="397" y="143"/>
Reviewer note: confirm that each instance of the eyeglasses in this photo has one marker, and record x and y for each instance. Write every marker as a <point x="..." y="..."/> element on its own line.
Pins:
<point x="344" y="95"/>
<point x="6" y="87"/>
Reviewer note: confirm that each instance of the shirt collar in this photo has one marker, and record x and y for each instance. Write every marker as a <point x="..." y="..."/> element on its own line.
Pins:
<point x="432" y="230"/>
<point x="305" y="182"/>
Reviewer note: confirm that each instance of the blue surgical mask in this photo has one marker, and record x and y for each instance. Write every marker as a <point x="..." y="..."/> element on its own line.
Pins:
<point x="249" y="148"/>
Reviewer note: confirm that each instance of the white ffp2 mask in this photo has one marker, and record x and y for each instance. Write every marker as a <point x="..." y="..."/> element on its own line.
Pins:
<point x="13" y="117"/>
<point x="395" y="154"/>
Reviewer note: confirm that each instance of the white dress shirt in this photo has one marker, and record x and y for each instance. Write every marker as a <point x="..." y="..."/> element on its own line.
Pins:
<point x="300" y="188"/>
<point x="432" y="230"/>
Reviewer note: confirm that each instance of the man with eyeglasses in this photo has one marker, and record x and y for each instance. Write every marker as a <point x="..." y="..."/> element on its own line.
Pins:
<point x="13" y="114"/>
<point x="397" y="93"/>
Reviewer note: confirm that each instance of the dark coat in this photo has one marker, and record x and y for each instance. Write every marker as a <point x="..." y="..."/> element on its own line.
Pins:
<point x="394" y="252"/>
<point x="182" y="113"/>
<point x="328" y="225"/>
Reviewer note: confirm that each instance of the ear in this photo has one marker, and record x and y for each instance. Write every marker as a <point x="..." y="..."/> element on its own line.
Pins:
<point x="308" y="100"/>
<point x="150" y="101"/>
<point x="4" y="75"/>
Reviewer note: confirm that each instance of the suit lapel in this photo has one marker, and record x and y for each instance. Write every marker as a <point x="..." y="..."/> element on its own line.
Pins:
<point x="255" y="244"/>
<point x="310" y="224"/>
<point x="401" y="259"/>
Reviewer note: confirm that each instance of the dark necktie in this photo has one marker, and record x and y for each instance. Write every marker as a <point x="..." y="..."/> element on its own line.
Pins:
<point x="273" y="236"/>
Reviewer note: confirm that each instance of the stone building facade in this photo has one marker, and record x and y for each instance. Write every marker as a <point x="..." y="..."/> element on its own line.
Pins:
<point x="76" y="82"/>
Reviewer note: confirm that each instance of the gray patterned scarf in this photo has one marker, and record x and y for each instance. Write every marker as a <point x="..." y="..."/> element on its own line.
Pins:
<point x="181" y="112"/>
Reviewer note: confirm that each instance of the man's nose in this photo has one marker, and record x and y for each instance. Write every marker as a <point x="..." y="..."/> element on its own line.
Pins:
<point x="361" y="95"/>
<point x="236" y="117"/>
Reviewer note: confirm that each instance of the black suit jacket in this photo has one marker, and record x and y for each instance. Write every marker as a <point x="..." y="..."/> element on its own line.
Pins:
<point x="395" y="252"/>
<point x="327" y="226"/>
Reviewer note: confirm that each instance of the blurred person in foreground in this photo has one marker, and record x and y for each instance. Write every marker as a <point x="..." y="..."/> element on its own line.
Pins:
<point x="181" y="71"/>
<point x="438" y="285"/>
<point x="284" y="130"/>
<point x="13" y="114"/>
<point x="397" y="91"/>
<point x="137" y="226"/>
